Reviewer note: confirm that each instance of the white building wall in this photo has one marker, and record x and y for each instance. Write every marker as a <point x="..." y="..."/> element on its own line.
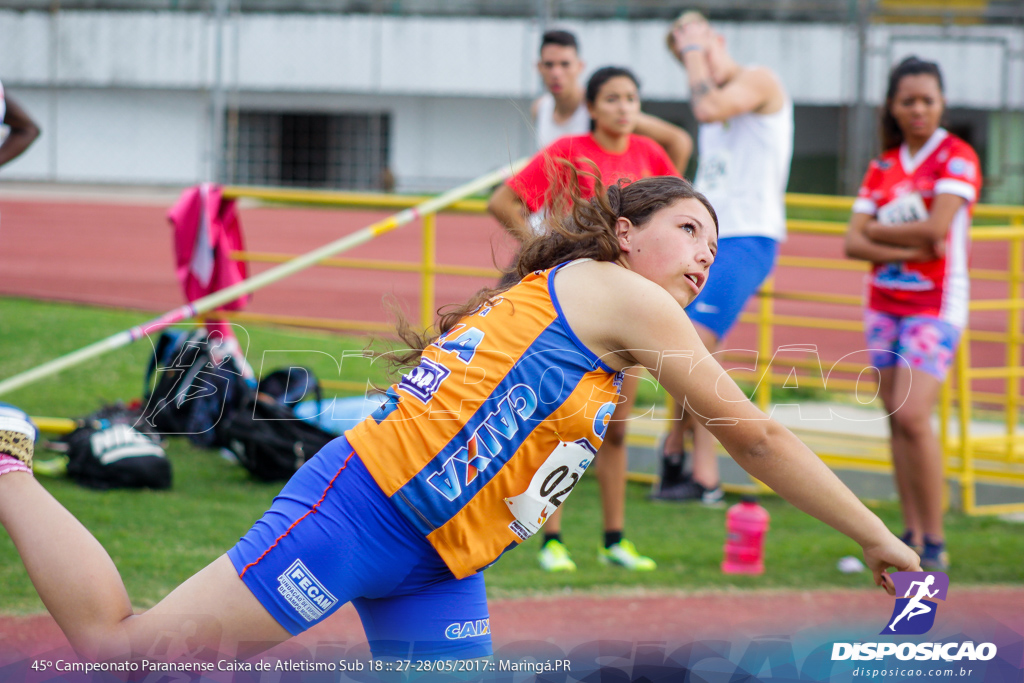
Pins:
<point x="124" y="96"/>
<point x="130" y="136"/>
<point x="114" y="136"/>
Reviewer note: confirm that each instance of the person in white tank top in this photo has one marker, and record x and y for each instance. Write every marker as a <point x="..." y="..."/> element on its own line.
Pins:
<point x="22" y="129"/>
<point x="562" y="109"/>
<point x="549" y="127"/>
<point x="745" y="142"/>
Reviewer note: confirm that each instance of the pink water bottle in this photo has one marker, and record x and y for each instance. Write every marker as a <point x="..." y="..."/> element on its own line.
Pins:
<point x="746" y="524"/>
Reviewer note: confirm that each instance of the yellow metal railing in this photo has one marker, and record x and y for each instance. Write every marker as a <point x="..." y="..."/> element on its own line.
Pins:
<point x="968" y="459"/>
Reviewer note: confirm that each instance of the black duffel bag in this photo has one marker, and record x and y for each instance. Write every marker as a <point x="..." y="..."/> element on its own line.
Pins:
<point x="115" y="448"/>
<point x="268" y="439"/>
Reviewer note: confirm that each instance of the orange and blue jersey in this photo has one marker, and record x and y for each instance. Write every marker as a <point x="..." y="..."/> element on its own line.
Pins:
<point x="466" y="434"/>
<point x="475" y="447"/>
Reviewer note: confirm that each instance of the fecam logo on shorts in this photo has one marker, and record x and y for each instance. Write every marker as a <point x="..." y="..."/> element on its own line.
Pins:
<point x="304" y="592"/>
<point x="914" y="613"/>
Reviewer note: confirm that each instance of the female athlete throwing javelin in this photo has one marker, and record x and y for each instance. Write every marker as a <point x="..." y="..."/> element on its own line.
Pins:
<point x="477" y="445"/>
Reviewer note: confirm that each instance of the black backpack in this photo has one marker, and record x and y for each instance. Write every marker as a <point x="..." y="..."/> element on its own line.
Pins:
<point x="291" y="385"/>
<point x="191" y="393"/>
<point x="114" y="448"/>
<point x="269" y="440"/>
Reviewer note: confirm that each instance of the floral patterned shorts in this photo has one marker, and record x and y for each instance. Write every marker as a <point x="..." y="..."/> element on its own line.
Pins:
<point x="923" y="342"/>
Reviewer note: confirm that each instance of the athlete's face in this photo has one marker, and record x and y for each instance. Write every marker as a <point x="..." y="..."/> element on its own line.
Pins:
<point x="560" y="68"/>
<point x="675" y="248"/>
<point x="917" y="106"/>
<point x="616" y="108"/>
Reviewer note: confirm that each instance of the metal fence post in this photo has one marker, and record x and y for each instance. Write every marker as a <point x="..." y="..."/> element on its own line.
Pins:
<point x="945" y="410"/>
<point x="1013" y="337"/>
<point x="428" y="277"/>
<point x="963" y="373"/>
<point x="764" y="345"/>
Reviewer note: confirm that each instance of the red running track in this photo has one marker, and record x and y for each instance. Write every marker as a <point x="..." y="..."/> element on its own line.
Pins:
<point x="121" y="255"/>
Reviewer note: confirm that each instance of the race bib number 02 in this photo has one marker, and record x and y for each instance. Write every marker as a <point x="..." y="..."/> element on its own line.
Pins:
<point x="550" y="486"/>
<point x="904" y="209"/>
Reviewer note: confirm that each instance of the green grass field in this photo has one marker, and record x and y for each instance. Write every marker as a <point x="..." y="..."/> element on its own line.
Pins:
<point x="157" y="539"/>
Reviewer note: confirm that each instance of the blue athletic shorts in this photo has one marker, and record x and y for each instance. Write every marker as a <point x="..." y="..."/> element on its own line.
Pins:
<point x="741" y="265"/>
<point x="331" y="537"/>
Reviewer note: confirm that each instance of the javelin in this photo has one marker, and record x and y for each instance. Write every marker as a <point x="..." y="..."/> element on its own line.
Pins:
<point x="219" y="298"/>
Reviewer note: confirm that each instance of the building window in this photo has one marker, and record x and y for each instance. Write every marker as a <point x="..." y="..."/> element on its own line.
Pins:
<point x="338" y="151"/>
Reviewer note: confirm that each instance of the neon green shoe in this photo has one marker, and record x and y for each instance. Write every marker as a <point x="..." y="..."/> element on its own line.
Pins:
<point x="54" y="467"/>
<point x="624" y="554"/>
<point x="554" y="557"/>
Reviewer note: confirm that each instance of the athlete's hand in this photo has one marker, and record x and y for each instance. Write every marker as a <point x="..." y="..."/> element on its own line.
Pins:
<point x="890" y="552"/>
<point x="694" y="33"/>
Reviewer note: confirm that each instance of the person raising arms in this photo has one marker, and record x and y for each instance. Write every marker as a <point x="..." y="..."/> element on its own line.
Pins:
<point x="562" y="110"/>
<point x="912" y="221"/>
<point x="745" y="144"/>
<point x="615" y="152"/>
<point x="400" y="515"/>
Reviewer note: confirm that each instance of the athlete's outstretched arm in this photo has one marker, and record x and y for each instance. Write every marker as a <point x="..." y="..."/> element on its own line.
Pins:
<point x="660" y="337"/>
<point x="82" y="588"/>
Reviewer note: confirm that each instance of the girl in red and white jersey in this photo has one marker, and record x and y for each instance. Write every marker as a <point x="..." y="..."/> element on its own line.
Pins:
<point x="912" y="221"/>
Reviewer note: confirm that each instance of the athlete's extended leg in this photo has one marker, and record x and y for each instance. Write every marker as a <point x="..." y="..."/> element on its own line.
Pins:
<point x="613" y="458"/>
<point x="612" y="464"/>
<point x="917" y="447"/>
<point x="702" y="483"/>
<point x="901" y="462"/>
<point x="705" y="459"/>
<point x="672" y="470"/>
<point x="82" y="588"/>
<point x="554" y="555"/>
<point x="554" y="524"/>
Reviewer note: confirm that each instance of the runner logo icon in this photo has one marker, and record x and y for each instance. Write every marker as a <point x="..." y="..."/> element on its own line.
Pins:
<point x="914" y="612"/>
